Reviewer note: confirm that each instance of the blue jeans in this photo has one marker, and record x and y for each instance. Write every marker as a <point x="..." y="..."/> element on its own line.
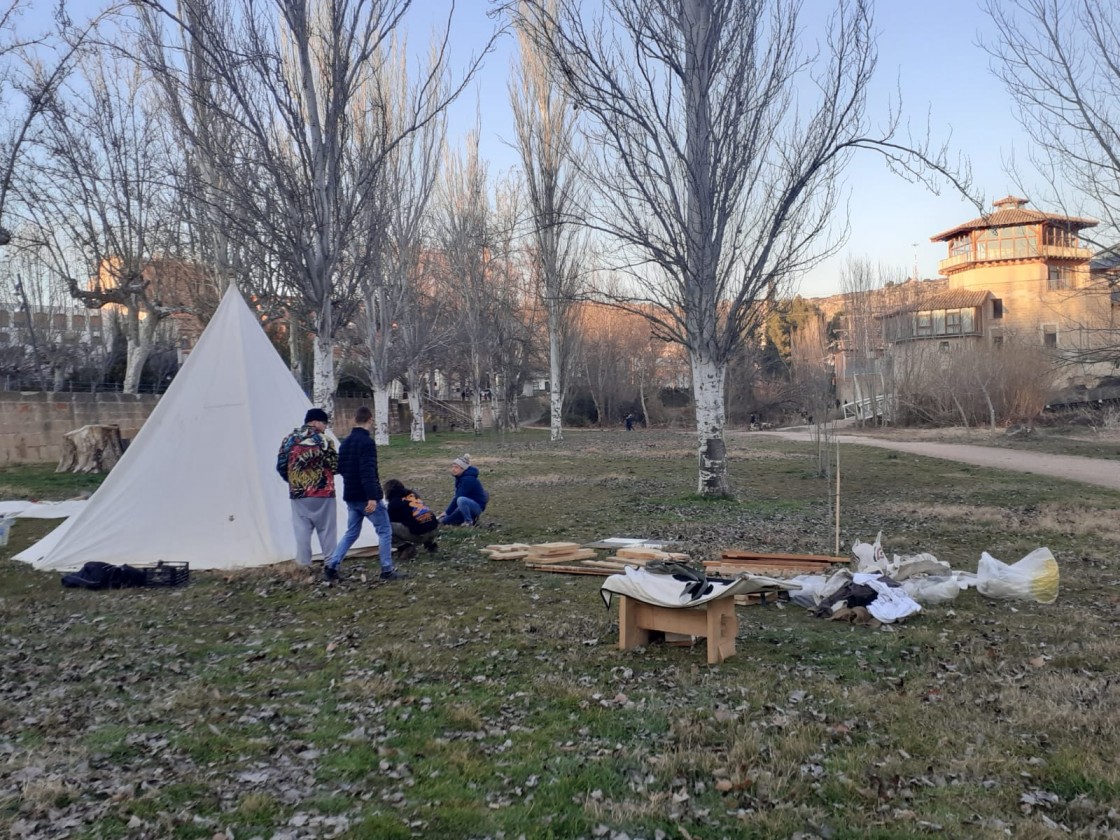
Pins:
<point x="466" y="510"/>
<point x="355" y="513"/>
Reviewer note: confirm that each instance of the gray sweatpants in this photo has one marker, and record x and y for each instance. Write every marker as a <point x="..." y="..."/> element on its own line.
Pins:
<point x="316" y="514"/>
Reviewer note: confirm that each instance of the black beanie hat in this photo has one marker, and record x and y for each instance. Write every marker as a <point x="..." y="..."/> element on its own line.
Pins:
<point x="316" y="414"/>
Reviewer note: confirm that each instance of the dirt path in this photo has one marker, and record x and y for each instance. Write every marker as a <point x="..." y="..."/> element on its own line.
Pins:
<point x="1096" y="471"/>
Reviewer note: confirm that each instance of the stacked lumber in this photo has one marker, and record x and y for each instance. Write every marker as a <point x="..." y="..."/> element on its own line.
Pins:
<point x="736" y="562"/>
<point x="558" y="552"/>
<point x="573" y="559"/>
<point x="539" y="553"/>
<point x="507" y="551"/>
<point x="639" y="556"/>
<point x="615" y="564"/>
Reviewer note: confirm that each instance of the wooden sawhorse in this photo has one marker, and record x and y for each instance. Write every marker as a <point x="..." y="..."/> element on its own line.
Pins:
<point x="715" y="620"/>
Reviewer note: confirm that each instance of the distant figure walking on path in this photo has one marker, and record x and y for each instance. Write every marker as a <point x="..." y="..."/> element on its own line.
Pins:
<point x="307" y="461"/>
<point x="629" y="422"/>
<point x="357" y="464"/>
<point x="470" y="498"/>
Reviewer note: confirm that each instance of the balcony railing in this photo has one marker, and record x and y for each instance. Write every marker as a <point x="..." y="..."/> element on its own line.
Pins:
<point x="1030" y="252"/>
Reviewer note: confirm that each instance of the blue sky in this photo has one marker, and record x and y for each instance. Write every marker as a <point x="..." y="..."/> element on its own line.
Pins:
<point x="928" y="51"/>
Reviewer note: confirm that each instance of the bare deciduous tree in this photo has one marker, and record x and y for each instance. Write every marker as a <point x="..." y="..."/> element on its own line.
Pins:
<point x="716" y="142"/>
<point x="1058" y="58"/>
<point x="395" y="336"/>
<point x="465" y="228"/>
<point x="304" y="100"/>
<point x="32" y="67"/>
<point x="545" y="123"/>
<point x="515" y="306"/>
<point x="100" y="200"/>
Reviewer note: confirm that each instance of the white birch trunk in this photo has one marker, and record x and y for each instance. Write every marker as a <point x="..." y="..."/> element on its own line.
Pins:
<point x="135" y="357"/>
<point x="322" y="387"/>
<point x="476" y="410"/>
<point x="642" y="400"/>
<point x="594" y="398"/>
<point x="294" y="355"/>
<point x="555" y="376"/>
<point x="707" y="386"/>
<point x="139" y="348"/>
<point x="417" y="432"/>
<point x="381" y="414"/>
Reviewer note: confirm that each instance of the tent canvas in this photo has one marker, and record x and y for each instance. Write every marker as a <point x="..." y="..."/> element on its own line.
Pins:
<point x="199" y="482"/>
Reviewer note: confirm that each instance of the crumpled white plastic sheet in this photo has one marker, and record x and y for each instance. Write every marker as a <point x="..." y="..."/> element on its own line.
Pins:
<point x="893" y="604"/>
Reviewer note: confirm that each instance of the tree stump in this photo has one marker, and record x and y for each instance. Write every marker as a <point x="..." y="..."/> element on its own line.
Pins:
<point x="95" y="448"/>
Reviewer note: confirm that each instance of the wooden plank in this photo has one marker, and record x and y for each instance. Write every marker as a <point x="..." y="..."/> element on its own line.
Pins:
<point x="638" y="553"/>
<point x="569" y="570"/>
<point x="755" y="598"/>
<point x="570" y="557"/>
<point x="735" y="554"/>
<point x="508" y="555"/>
<point x="549" y="549"/>
<point x="763" y="571"/>
<point x="606" y="564"/>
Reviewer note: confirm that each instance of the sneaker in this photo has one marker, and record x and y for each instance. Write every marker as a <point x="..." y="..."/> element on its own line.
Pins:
<point x="330" y="573"/>
<point x="394" y="574"/>
<point x="432" y="546"/>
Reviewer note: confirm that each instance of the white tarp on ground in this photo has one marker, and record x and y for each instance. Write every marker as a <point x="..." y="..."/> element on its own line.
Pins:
<point x="199" y="482"/>
<point x="42" y="510"/>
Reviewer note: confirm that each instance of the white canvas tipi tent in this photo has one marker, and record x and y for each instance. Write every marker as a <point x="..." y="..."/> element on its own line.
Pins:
<point x="199" y="482"/>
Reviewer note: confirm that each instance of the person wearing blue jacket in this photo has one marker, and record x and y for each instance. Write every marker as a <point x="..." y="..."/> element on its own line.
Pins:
<point x="470" y="498"/>
<point x="357" y="464"/>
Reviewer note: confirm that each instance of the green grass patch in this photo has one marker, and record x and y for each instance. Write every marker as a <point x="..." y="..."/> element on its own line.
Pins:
<point x="480" y="698"/>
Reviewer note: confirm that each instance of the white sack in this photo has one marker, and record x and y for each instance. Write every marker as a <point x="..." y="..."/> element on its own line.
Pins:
<point x="1034" y="578"/>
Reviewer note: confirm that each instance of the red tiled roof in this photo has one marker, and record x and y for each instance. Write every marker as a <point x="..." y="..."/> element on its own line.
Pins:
<point x="1011" y="212"/>
<point x="951" y="299"/>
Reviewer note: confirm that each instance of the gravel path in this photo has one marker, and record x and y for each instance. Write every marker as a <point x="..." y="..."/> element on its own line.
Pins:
<point x="1096" y="471"/>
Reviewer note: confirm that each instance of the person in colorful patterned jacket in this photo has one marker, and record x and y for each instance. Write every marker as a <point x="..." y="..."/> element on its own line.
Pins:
<point x="412" y="520"/>
<point x="307" y="461"/>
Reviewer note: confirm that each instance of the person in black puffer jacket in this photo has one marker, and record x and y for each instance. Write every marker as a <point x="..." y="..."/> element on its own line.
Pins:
<point x="357" y="464"/>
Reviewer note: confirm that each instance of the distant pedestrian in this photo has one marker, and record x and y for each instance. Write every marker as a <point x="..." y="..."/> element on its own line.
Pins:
<point x="307" y="461"/>
<point x="357" y="464"/>
<point x="470" y="497"/>
<point x="629" y="422"/>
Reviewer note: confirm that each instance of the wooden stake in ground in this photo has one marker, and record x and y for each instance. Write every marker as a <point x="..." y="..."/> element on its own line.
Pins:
<point x="837" y="548"/>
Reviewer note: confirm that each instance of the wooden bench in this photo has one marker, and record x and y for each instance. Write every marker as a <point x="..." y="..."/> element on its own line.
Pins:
<point x="714" y="620"/>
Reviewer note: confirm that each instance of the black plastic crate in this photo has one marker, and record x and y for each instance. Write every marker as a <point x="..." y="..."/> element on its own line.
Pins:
<point x="166" y="573"/>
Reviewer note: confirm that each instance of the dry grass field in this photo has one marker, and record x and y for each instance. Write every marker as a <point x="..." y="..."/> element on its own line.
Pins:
<point x="480" y="699"/>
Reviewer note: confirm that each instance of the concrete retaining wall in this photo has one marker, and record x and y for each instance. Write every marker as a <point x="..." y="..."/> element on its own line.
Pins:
<point x="32" y="424"/>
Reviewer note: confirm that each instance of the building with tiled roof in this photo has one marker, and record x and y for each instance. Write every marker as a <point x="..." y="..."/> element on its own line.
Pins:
<point x="1012" y="211"/>
<point x="1013" y="276"/>
<point x="1038" y="273"/>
